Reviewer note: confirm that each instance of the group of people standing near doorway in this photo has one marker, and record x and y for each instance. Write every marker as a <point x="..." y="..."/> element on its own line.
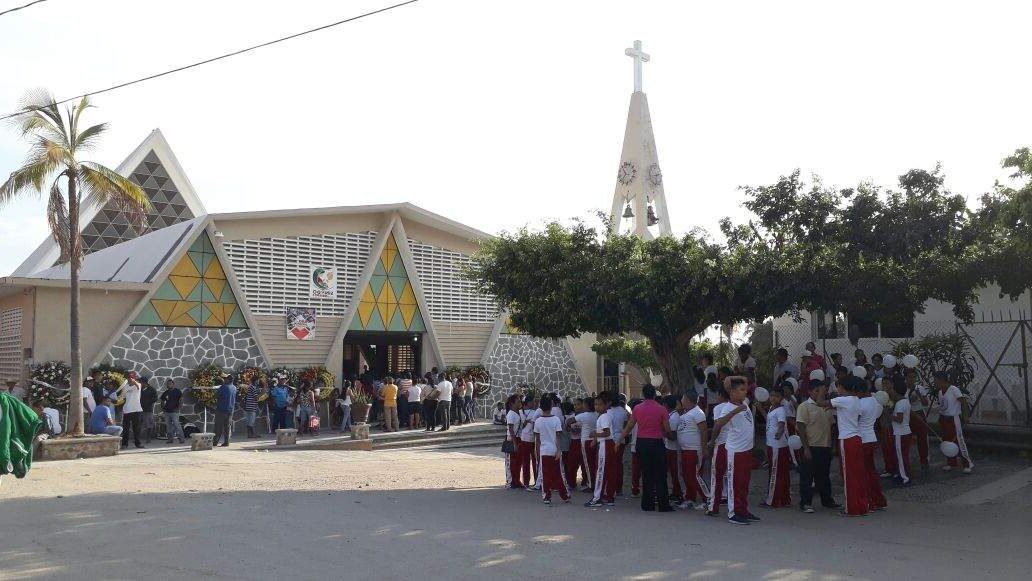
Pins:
<point x="554" y="445"/>
<point x="433" y="401"/>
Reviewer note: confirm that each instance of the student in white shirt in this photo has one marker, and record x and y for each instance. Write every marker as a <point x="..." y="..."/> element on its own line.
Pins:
<point x="513" y="425"/>
<point x="605" y="475"/>
<point x="870" y="411"/>
<point x="901" y="435"/>
<point x="919" y="403"/>
<point x="718" y="454"/>
<point x="950" y="409"/>
<point x="618" y="410"/>
<point x="779" y="481"/>
<point x="574" y="459"/>
<point x="586" y="423"/>
<point x="131" y="410"/>
<point x="851" y="448"/>
<point x="738" y="422"/>
<point x="692" y="433"/>
<point x="547" y="428"/>
<point x="529" y="458"/>
<point x="415" y="403"/>
<point x="444" y="398"/>
<point x="673" y="461"/>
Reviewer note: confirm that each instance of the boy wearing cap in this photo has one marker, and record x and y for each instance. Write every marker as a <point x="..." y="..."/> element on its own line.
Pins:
<point x="949" y="420"/>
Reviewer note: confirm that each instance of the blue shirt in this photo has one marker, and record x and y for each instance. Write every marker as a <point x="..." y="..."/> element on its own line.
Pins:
<point x="226" y="398"/>
<point x="99" y="419"/>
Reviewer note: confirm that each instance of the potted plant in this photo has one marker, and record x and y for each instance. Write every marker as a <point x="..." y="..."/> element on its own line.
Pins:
<point x="360" y="404"/>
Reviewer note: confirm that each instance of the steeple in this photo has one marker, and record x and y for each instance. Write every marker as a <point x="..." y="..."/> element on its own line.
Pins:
<point x="639" y="204"/>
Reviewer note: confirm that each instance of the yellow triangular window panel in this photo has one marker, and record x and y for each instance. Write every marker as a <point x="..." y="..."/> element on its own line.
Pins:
<point x="389" y="295"/>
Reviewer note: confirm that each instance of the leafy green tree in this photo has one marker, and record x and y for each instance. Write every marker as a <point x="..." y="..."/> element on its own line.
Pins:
<point x="1005" y="220"/>
<point x="54" y="163"/>
<point x="637" y="352"/>
<point x="565" y="281"/>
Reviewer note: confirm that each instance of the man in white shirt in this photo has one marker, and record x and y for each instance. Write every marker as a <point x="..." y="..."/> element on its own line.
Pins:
<point x="870" y="410"/>
<point x="851" y="448"/>
<point x="901" y="435"/>
<point x="778" y="461"/>
<point x="132" y="409"/>
<point x="444" y="388"/>
<point x="950" y="410"/>
<point x="692" y="432"/>
<point x="415" y="402"/>
<point x="547" y="428"/>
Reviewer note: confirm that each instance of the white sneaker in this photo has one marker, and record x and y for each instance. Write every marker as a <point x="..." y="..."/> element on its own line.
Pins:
<point x="966" y="470"/>
<point x="947" y="468"/>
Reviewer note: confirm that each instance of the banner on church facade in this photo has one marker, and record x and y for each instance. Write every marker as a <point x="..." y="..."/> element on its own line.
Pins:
<point x="301" y="323"/>
<point x="322" y="282"/>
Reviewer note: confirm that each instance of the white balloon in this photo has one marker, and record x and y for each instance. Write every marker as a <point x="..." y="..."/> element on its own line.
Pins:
<point x="860" y="371"/>
<point x="949" y="449"/>
<point x="910" y="361"/>
<point x="656" y="379"/>
<point x="795" y="442"/>
<point x="889" y="361"/>
<point x="878" y="382"/>
<point x="761" y="394"/>
<point x="882" y="397"/>
<point x="817" y="374"/>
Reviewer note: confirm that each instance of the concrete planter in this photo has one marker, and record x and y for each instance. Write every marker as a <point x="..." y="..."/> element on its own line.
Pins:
<point x="90" y="446"/>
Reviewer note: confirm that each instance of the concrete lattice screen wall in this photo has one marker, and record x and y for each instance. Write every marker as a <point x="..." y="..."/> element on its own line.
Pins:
<point x="544" y="363"/>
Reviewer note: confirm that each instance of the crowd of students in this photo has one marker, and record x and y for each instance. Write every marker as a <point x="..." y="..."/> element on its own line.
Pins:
<point x="696" y="450"/>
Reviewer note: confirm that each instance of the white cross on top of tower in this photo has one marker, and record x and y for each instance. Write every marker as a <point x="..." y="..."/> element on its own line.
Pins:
<point x="639" y="57"/>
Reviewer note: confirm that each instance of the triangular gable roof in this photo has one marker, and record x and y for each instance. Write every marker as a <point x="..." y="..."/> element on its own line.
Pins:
<point x="138" y="260"/>
<point x="155" y="168"/>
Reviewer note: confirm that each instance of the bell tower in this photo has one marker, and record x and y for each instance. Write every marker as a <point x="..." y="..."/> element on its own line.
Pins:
<point x="639" y="204"/>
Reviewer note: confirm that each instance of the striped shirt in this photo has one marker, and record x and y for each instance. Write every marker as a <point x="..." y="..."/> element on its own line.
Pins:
<point x="251" y="398"/>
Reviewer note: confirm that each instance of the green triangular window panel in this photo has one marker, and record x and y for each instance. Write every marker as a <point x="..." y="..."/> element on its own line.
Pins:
<point x="376" y="283"/>
<point x="398" y="268"/>
<point x="206" y="244"/>
<point x="378" y="269"/>
<point x="166" y="292"/>
<point x="397" y="285"/>
<point x="198" y="314"/>
<point x="227" y="295"/>
<point x="148" y="316"/>
<point x="206" y="294"/>
<point x="375" y="322"/>
<point x="197" y="292"/>
<point x="237" y="320"/>
<point x="197" y="259"/>
<point x="417" y="322"/>
<point x="198" y="245"/>
<point x="397" y="323"/>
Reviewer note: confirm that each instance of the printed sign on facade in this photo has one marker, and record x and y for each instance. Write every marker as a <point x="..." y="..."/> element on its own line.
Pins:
<point x="322" y="282"/>
<point x="301" y="323"/>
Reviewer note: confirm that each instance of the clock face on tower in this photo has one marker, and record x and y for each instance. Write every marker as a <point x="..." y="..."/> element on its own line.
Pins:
<point x="627" y="173"/>
<point x="655" y="176"/>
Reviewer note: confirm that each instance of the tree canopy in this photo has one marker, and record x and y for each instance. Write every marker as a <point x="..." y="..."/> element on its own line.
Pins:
<point x="1005" y="222"/>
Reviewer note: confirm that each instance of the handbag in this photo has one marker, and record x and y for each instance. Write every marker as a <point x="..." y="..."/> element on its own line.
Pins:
<point x="313" y="423"/>
<point x="508" y="447"/>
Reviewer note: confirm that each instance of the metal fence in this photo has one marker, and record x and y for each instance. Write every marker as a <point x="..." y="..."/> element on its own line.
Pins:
<point x="1001" y="349"/>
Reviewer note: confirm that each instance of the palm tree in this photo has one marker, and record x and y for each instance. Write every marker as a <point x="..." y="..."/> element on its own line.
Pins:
<point x="53" y="161"/>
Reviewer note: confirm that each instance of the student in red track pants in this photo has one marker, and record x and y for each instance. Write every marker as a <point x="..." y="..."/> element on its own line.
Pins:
<point x="919" y="402"/>
<point x="605" y="480"/>
<point x="718" y="457"/>
<point x="870" y="411"/>
<point x="778" y="460"/>
<point x="738" y="421"/>
<point x="883" y="429"/>
<point x="950" y="409"/>
<point x="851" y="448"/>
<point x="692" y="433"/>
<point x="673" y="463"/>
<point x="547" y="428"/>
<point x="901" y="436"/>
<point x="513" y="461"/>
<point x="571" y="460"/>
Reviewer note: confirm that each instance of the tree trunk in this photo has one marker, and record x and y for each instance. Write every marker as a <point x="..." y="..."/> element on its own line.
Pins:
<point x="674" y="357"/>
<point x="75" y="427"/>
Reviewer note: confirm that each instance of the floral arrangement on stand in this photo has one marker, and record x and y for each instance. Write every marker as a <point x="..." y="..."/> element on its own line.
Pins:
<point x="112" y="373"/>
<point x="481" y="378"/>
<point x="54" y="373"/>
<point x="291" y="374"/>
<point x="207" y="375"/>
<point x="245" y="376"/>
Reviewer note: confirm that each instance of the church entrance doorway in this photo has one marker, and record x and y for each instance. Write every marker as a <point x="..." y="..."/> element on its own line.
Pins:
<point x="384" y="353"/>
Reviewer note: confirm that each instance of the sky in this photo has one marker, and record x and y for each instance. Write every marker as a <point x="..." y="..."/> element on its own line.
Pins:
<point x="509" y="114"/>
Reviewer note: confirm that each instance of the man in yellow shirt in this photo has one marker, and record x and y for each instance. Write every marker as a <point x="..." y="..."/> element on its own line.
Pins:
<point x="390" y="405"/>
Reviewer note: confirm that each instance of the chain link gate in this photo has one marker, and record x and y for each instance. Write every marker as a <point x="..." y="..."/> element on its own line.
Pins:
<point x="1001" y="383"/>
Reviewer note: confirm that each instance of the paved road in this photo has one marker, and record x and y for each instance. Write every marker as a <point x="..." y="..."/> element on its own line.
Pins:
<point x="440" y="514"/>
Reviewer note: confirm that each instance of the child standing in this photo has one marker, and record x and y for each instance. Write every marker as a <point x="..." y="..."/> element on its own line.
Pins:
<point x="572" y="459"/>
<point x="605" y="476"/>
<point x="618" y="412"/>
<point x="673" y="463"/>
<point x="919" y="402"/>
<point x="513" y="426"/>
<point x="499" y="413"/>
<point x="901" y="435"/>
<point x="718" y="457"/>
<point x="738" y="421"/>
<point x="528" y="460"/>
<point x="778" y="459"/>
<point x="851" y="447"/>
<point x="547" y="429"/>
<point x="589" y="451"/>
<point x="949" y="420"/>
<point x="870" y="411"/>
<point x="692" y="432"/>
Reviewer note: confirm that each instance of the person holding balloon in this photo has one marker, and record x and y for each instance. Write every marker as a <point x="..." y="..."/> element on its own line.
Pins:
<point x="917" y="394"/>
<point x="851" y="447"/>
<point x="778" y="460"/>
<point x="901" y="436"/>
<point x="950" y="408"/>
